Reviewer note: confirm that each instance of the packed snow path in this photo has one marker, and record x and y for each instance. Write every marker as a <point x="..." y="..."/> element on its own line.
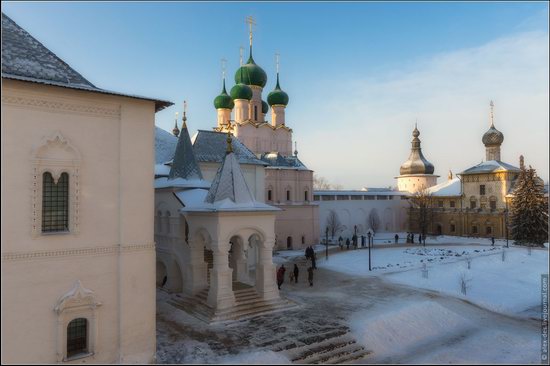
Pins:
<point x="393" y="323"/>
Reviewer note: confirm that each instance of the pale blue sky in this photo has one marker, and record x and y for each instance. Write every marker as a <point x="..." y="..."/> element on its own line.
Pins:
<point x="358" y="74"/>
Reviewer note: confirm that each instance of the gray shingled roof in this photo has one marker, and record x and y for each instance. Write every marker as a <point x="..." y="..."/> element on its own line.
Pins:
<point x="184" y="165"/>
<point x="26" y="59"/>
<point x="210" y="146"/>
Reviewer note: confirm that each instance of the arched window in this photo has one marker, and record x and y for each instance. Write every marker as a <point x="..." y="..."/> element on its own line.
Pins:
<point x="306" y="196"/>
<point x="269" y="195"/>
<point x="77" y="337"/>
<point x="168" y="222"/>
<point x="255" y="113"/>
<point x="288" y="194"/>
<point x="473" y="202"/>
<point x="55" y="203"/>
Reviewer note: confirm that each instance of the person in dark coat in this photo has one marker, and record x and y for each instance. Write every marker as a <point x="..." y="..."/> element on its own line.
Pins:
<point x="310" y="275"/>
<point x="296" y="273"/>
<point x="313" y="260"/>
<point x="347" y="243"/>
<point x="281" y="276"/>
<point x="307" y="252"/>
<point x="412" y="238"/>
<point x="492" y="241"/>
<point x="396" y="238"/>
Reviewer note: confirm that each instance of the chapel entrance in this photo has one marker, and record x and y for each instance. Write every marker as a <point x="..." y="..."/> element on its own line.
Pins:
<point x="289" y="243"/>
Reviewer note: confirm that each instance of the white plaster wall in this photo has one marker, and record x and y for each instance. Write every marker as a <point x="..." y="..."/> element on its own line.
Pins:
<point x="414" y="182"/>
<point x="355" y="212"/>
<point x="115" y="138"/>
<point x="254" y="176"/>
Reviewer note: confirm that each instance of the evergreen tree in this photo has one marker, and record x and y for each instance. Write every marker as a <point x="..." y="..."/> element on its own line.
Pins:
<point x="529" y="212"/>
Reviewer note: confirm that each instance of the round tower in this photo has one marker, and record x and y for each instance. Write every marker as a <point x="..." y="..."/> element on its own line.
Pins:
<point x="278" y="100"/>
<point x="417" y="172"/>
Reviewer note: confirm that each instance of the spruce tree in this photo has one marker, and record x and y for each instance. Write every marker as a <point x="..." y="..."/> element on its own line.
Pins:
<point x="529" y="211"/>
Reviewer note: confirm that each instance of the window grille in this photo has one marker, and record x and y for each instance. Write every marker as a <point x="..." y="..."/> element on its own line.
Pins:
<point x="55" y="203"/>
<point x="77" y="337"/>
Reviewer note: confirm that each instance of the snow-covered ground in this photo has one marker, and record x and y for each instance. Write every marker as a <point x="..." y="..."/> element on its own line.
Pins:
<point x="511" y="286"/>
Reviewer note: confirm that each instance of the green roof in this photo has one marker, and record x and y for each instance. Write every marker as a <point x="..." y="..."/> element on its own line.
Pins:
<point x="223" y="100"/>
<point x="277" y="96"/>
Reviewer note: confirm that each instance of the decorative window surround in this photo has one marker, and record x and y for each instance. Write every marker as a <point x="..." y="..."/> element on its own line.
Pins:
<point x="55" y="155"/>
<point x="78" y="302"/>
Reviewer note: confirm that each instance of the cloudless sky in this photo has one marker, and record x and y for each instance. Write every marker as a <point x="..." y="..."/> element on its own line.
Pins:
<point x="172" y="51"/>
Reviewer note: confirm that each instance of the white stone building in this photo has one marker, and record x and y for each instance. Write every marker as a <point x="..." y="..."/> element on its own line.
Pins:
<point x="78" y="257"/>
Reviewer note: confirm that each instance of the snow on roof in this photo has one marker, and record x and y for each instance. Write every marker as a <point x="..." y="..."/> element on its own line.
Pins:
<point x="165" y="182"/>
<point x="361" y="192"/>
<point x="210" y="146"/>
<point x="162" y="170"/>
<point x="489" y="167"/>
<point x="165" y="146"/>
<point x="446" y="189"/>
<point x="229" y="183"/>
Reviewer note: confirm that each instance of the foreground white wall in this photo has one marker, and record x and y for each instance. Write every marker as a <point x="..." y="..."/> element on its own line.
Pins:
<point x="109" y="248"/>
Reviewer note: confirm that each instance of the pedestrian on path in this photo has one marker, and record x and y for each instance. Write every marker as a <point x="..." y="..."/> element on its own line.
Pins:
<point x="310" y="275"/>
<point x="313" y="261"/>
<point x="281" y="276"/>
<point x="296" y="273"/>
<point x="492" y="241"/>
<point x="347" y="243"/>
<point x="396" y="238"/>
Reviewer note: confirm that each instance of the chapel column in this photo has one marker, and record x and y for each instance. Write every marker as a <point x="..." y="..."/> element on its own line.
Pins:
<point x="220" y="295"/>
<point x="196" y="278"/>
<point x="266" y="286"/>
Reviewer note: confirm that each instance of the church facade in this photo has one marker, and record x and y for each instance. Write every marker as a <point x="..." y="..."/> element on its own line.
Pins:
<point x="78" y="253"/>
<point x="476" y="202"/>
<point x="272" y="170"/>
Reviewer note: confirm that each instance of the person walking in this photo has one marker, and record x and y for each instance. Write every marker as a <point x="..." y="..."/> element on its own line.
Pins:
<point x="492" y="241"/>
<point x="347" y="243"/>
<point x="412" y="238"/>
<point x="313" y="261"/>
<point x="281" y="276"/>
<point x="310" y="275"/>
<point x="396" y="238"/>
<point x="296" y="273"/>
<point x="424" y="239"/>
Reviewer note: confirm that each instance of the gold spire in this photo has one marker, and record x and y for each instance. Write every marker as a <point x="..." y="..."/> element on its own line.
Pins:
<point x="492" y="113"/>
<point x="184" y="115"/>
<point x="250" y="21"/>
<point x="176" y="130"/>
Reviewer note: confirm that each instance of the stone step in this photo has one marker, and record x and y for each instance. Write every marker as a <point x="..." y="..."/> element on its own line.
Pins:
<point x="253" y="312"/>
<point x="303" y="344"/>
<point x="340" y="354"/>
<point x="355" y="356"/>
<point x="318" y="349"/>
<point x="250" y="307"/>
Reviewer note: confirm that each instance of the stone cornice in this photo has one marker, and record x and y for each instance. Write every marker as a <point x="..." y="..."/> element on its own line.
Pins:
<point x="72" y="252"/>
<point x="61" y="106"/>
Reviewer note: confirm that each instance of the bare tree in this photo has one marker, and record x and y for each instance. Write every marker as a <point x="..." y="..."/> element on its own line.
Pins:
<point x="421" y="210"/>
<point x="322" y="184"/>
<point x="373" y="221"/>
<point x="333" y="223"/>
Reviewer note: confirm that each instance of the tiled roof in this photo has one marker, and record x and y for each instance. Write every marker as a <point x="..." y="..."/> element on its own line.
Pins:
<point x="210" y="146"/>
<point x="26" y="59"/>
<point x="184" y="165"/>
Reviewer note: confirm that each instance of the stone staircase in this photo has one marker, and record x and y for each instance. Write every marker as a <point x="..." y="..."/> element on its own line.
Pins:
<point x="248" y="304"/>
<point x="333" y="346"/>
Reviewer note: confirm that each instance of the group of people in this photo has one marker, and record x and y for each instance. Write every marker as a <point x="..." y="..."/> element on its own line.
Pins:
<point x="353" y="242"/>
<point x="293" y="276"/>
<point x="410" y="238"/>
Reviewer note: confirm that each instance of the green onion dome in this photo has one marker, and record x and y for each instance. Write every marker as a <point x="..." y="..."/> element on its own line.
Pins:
<point x="241" y="91"/>
<point x="250" y="73"/>
<point x="265" y="107"/>
<point x="277" y="96"/>
<point x="223" y="100"/>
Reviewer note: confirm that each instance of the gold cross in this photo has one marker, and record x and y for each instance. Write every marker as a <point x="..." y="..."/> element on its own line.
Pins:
<point x="492" y="115"/>
<point x="277" y="54"/>
<point x="250" y="21"/>
<point x="224" y="61"/>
